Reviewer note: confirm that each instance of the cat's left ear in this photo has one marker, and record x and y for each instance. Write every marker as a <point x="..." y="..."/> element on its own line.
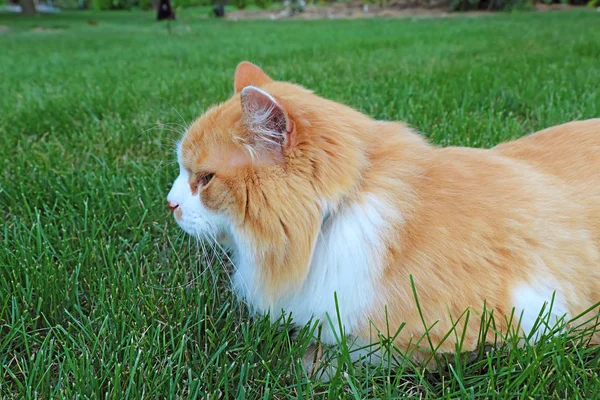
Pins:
<point x="266" y="119"/>
<point x="248" y="74"/>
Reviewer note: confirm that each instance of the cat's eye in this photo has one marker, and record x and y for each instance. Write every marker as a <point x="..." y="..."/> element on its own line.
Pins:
<point x="205" y="179"/>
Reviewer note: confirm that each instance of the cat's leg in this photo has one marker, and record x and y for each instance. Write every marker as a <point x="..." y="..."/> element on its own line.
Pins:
<point x="311" y="360"/>
<point x="323" y="361"/>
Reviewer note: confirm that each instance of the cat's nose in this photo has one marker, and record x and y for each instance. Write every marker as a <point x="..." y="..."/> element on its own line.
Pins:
<point x="172" y="206"/>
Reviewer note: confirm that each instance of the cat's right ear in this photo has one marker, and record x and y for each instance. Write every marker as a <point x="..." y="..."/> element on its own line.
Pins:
<point x="248" y="74"/>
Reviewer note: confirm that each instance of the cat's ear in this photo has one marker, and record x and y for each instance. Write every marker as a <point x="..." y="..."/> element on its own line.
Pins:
<point x="266" y="119"/>
<point x="248" y="74"/>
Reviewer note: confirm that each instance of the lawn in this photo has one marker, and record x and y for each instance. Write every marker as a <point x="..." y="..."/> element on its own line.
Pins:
<point x="101" y="294"/>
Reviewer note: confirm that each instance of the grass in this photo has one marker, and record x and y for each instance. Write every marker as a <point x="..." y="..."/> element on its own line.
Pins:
<point x="102" y="296"/>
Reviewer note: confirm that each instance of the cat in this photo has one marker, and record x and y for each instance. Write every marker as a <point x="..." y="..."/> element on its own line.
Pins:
<point x="332" y="215"/>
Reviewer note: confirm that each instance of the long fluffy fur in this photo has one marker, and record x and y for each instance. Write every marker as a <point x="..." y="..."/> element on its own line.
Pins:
<point x="357" y="207"/>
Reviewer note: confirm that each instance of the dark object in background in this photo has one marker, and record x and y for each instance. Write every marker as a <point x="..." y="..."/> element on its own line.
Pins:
<point x="165" y="11"/>
<point x="27" y="7"/>
<point x="219" y="10"/>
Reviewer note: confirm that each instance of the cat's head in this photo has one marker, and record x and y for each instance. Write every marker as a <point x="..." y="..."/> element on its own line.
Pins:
<point x="262" y="170"/>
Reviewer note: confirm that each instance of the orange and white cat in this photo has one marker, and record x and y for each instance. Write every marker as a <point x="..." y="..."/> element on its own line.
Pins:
<point x="313" y="199"/>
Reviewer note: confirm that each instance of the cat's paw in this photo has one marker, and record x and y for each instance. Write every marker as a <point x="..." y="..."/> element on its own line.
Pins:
<point x="316" y="366"/>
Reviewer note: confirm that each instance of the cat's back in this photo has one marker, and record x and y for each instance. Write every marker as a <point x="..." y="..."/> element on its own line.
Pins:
<point x="570" y="152"/>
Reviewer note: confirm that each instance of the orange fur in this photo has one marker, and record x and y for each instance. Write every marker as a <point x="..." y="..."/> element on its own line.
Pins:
<point x="473" y="224"/>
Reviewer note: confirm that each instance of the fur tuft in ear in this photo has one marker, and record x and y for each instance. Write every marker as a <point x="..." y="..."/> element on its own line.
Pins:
<point x="247" y="74"/>
<point x="265" y="118"/>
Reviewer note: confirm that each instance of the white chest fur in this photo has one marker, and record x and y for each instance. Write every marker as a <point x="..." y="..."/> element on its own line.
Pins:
<point x="346" y="263"/>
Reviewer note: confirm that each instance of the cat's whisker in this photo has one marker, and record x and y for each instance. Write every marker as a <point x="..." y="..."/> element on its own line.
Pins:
<point x="177" y="124"/>
<point x="216" y="254"/>
<point x="202" y="248"/>
<point x="188" y="282"/>
<point x="170" y="124"/>
<point x="172" y="143"/>
<point x="214" y="242"/>
<point x="185" y="124"/>
<point x="164" y="166"/>
<point x="208" y="260"/>
<point x="213" y="257"/>
<point x="160" y="128"/>
<point x="224" y="252"/>
<point x="201" y="270"/>
<point x="200" y="256"/>
<point x="210" y="265"/>
<point x="219" y="258"/>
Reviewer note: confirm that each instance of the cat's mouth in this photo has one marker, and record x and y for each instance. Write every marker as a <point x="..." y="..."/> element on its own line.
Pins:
<point x="197" y="221"/>
<point x="178" y="214"/>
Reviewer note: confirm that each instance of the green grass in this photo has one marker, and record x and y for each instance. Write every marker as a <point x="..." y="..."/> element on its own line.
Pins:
<point x="102" y="296"/>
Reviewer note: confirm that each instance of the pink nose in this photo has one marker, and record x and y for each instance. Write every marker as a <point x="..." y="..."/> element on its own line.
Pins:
<point x="172" y="206"/>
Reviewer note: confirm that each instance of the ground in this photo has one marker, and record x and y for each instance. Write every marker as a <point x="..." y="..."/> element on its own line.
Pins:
<point x="102" y="296"/>
<point x="355" y="9"/>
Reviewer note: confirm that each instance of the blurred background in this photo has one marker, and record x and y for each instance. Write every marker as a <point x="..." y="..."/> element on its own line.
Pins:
<point x="287" y="8"/>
